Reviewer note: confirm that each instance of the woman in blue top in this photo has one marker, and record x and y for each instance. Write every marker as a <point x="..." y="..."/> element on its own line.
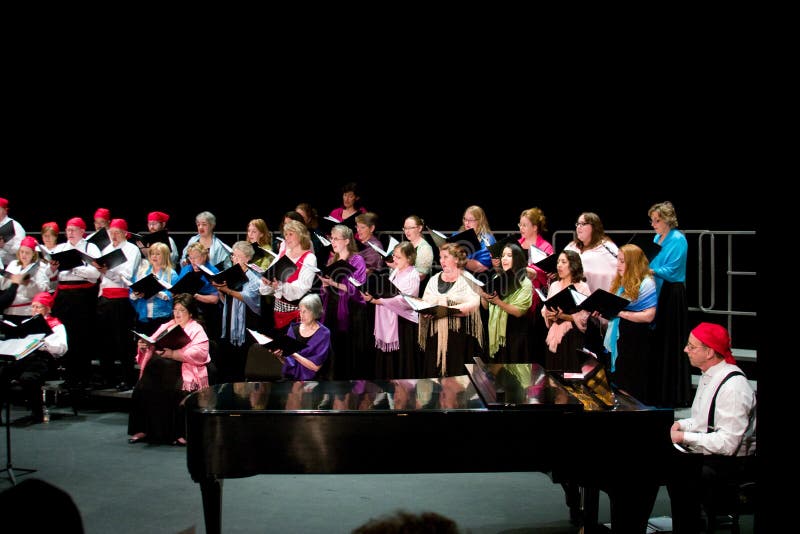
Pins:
<point x="207" y="297"/>
<point x="628" y="335"/>
<point x="475" y="218"/>
<point x="156" y="310"/>
<point x="670" y="375"/>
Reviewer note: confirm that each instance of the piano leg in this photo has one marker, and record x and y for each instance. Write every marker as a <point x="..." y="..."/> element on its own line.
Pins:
<point x="591" y="509"/>
<point x="211" y="488"/>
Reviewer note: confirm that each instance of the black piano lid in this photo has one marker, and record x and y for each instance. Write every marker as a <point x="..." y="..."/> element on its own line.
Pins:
<point x="424" y="394"/>
<point x="519" y="386"/>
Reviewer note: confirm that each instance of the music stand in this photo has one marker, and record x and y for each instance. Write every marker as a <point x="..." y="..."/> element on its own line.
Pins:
<point x="9" y="469"/>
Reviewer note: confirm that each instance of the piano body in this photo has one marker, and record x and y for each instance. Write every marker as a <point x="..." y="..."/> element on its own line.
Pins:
<point x="578" y="430"/>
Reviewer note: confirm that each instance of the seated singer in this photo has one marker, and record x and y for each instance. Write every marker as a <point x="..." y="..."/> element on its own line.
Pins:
<point x="721" y="429"/>
<point x="166" y="377"/>
<point x="305" y="363"/>
<point x="30" y="371"/>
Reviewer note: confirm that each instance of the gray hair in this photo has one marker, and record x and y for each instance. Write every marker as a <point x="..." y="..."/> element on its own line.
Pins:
<point x="312" y="303"/>
<point x="245" y="248"/>
<point x="207" y="216"/>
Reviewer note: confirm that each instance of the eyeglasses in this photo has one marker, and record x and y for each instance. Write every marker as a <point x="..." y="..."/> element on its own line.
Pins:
<point x="654" y="221"/>
<point x="338" y="239"/>
<point x="410" y="228"/>
<point x="469" y="220"/>
<point x="691" y="347"/>
<point x="579" y="224"/>
<point x="523" y="225"/>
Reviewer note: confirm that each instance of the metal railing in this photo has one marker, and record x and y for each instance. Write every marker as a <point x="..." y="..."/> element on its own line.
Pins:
<point x="706" y="276"/>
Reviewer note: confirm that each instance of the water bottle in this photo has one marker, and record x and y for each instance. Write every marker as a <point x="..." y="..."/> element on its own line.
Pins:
<point x="45" y="411"/>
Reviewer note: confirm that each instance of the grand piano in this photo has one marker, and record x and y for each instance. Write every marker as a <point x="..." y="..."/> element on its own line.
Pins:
<point x="497" y="417"/>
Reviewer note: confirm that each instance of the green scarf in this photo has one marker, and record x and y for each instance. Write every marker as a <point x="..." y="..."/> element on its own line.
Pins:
<point x="521" y="299"/>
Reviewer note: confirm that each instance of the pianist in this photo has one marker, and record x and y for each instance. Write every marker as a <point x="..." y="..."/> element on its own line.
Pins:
<point x="721" y="429"/>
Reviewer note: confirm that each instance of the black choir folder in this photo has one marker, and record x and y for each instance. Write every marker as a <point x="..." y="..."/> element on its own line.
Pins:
<point x="288" y="345"/>
<point x="280" y="269"/>
<point x="337" y="270"/>
<point x="467" y="239"/>
<point x="31" y="325"/>
<point x="259" y="252"/>
<point x="71" y="258"/>
<point x="26" y="273"/>
<point x="500" y="283"/>
<point x="191" y="283"/>
<point x="147" y="285"/>
<point x="234" y="276"/>
<point x="425" y="308"/>
<point x="542" y="260"/>
<point x="109" y="260"/>
<point x="386" y="247"/>
<point x="570" y="301"/>
<point x="100" y="238"/>
<point x="148" y="238"/>
<point x="608" y="304"/>
<point x="172" y="338"/>
<point x="378" y="285"/>
<point x="327" y="223"/>
<point x="7" y="231"/>
<point x="496" y="249"/>
<point x="563" y="299"/>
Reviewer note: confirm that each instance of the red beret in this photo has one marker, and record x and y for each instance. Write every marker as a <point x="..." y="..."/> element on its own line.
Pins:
<point x="29" y="242"/>
<point x="76" y="221"/>
<point x="102" y="213"/>
<point x="3" y="203"/>
<point x="716" y="337"/>
<point x="52" y="225"/>
<point x="45" y="299"/>
<point x="120" y="224"/>
<point x="159" y="216"/>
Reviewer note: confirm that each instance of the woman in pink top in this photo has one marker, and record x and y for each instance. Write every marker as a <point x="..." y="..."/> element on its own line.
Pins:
<point x="166" y="377"/>
<point x="395" y="330"/>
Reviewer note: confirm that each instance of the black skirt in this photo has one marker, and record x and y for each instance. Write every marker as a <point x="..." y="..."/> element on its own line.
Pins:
<point x="404" y="362"/>
<point x="670" y="382"/>
<point x="518" y="347"/>
<point x="633" y="353"/>
<point x="156" y="402"/>
<point x="461" y="349"/>
<point x="565" y="358"/>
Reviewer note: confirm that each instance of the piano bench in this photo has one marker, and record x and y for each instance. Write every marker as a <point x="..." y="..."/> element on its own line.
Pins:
<point x="724" y="513"/>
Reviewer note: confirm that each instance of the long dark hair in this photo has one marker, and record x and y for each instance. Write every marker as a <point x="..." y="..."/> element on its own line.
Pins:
<point x="519" y="262"/>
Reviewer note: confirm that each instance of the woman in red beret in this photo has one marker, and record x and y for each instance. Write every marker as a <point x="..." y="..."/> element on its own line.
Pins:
<point x="34" y="279"/>
<point x="29" y="372"/>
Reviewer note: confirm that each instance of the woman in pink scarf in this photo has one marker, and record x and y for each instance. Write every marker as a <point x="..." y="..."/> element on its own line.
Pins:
<point x="565" y="331"/>
<point x="395" y="324"/>
<point x="166" y="377"/>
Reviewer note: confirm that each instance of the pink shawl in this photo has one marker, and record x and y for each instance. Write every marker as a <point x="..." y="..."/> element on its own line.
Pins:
<point x="386" y="313"/>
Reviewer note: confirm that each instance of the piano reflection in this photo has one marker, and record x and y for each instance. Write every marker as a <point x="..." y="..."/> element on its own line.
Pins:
<point x="577" y="428"/>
